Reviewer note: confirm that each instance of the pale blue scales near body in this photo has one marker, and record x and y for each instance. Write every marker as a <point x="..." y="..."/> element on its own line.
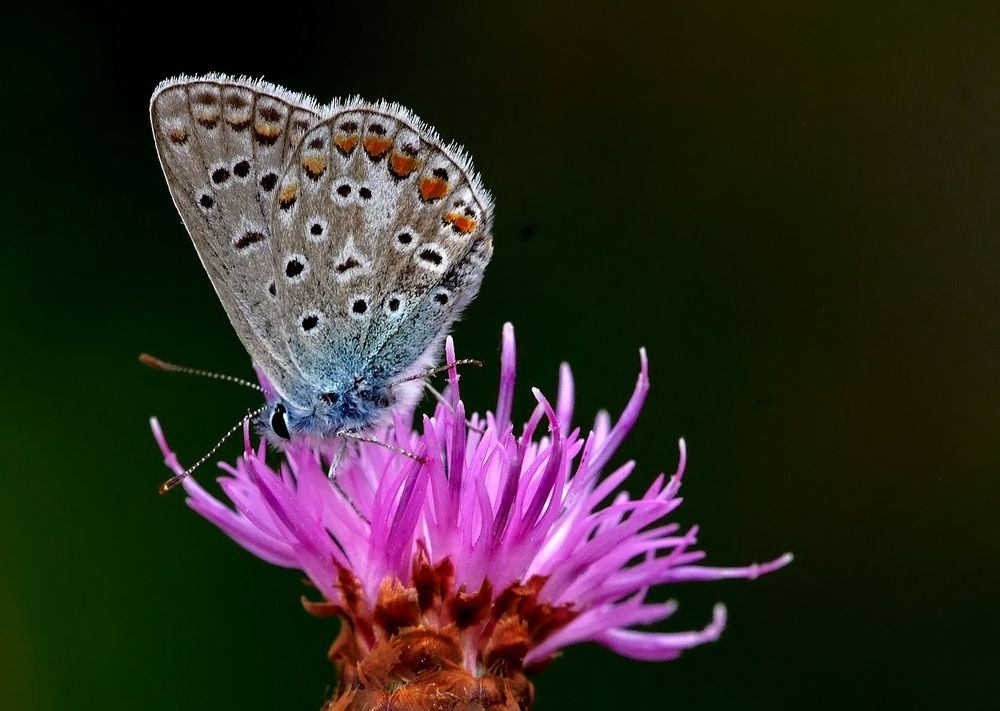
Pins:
<point x="342" y="240"/>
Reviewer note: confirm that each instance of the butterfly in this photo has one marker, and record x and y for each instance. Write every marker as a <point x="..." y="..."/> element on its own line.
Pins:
<point x="342" y="240"/>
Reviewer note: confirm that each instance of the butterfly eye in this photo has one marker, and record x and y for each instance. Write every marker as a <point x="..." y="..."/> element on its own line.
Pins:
<point x="279" y="423"/>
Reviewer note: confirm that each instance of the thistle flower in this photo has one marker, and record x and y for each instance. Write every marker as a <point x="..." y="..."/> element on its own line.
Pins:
<point x="456" y="577"/>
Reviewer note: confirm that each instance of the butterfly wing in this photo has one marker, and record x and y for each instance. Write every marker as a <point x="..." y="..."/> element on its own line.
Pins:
<point x="381" y="235"/>
<point x="223" y="144"/>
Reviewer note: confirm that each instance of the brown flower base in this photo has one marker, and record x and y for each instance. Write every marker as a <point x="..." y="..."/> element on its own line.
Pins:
<point x="421" y="670"/>
<point x="415" y="647"/>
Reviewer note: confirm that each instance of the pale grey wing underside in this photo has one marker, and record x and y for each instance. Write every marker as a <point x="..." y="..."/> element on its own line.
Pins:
<point x="224" y="145"/>
<point x="381" y="235"/>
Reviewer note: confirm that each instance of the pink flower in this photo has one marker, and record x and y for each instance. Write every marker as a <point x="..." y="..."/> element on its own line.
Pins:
<point x="505" y="547"/>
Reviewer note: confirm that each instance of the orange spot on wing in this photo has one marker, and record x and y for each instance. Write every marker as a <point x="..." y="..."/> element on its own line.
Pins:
<point x="267" y="130"/>
<point x="433" y="188"/>
<point x="286" y="198"/>
<point x="460" y="223"/>
<point x="376" y="146"/>
<point x="402" y="166"/>
<point x="314" y="166"/>
<point x="345" y="144"/>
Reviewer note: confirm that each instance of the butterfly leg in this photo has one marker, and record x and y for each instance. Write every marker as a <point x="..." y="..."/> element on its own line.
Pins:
<point x="338" y="457"/>
<point x="444" y="401"/>
<point x="439" y="369"/>
<point x="357" y="437"/>
<point x="331" y="474"/>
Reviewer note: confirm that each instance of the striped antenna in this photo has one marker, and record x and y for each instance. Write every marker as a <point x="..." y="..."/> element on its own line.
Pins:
<point x="157" y="364"/>
<point x="175" y="480"/>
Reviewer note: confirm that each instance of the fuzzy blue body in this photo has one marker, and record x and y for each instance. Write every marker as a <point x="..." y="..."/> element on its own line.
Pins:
<point x="345" y="400"/>
<point x="343" y="406"/>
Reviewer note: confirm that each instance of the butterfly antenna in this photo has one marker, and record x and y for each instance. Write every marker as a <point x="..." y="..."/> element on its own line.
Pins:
<point x="332" y="476"/>
<point x="440" y="369"/>
<point x="175" y="480"/>
<point x="157" y="364"/>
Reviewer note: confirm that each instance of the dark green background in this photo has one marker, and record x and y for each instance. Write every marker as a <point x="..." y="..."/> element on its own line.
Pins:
<point x="794" y="207"/>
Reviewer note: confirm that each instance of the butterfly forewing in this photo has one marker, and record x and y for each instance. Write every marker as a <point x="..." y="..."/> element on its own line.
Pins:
<point x="343" y="241"/>
<point x="380" y="237"/>
<point x="224" y="145"/>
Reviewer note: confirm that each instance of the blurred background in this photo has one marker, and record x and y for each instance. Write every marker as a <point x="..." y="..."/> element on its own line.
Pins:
<point x="793" y="206"/>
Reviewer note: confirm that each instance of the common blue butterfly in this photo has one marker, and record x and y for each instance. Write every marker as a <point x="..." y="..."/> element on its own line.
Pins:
<point x="342" y="240"/>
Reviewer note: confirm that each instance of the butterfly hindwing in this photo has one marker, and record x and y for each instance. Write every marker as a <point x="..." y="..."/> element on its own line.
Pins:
<point x="380" y="238"/>
<point x="223" y="145"/>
